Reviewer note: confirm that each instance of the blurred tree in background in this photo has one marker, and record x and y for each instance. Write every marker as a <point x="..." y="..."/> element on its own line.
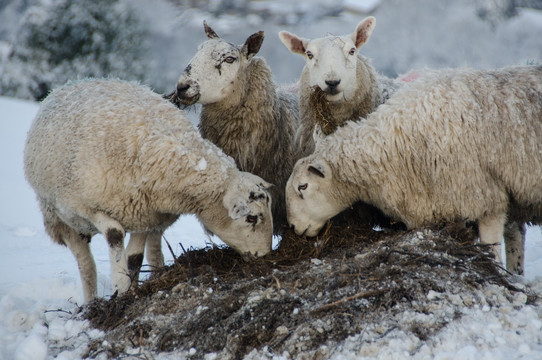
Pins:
<point x="494" y="11"/>
<point x="64" y="40"/>
<point x="44" y="43"/>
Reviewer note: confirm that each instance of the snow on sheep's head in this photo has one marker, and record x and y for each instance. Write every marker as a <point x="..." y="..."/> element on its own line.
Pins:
<point x="213" y="72"/>
<point x="244" y="220"/>
<point x="309" y="203"/>
<point x="331" y="60"/>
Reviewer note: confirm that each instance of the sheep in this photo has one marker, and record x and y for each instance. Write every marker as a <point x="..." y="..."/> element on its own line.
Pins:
<point x="111" y="157"/>
<point x="359" y="92"/>
<point x="452" y="145"/>
<point x="334" y="71"/>
<point x="242" y="111"/>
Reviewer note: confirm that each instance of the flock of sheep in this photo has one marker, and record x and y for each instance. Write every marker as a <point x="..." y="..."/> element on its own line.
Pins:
<point x="111" y="157"/>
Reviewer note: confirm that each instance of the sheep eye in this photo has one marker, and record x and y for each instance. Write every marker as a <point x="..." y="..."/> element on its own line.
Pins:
<point x="253" y="219"/>
<point x="309" y="55"/>
<point x="302" y="187"/>
<point x="229" y="59"/>
<point x="352" y="51"/>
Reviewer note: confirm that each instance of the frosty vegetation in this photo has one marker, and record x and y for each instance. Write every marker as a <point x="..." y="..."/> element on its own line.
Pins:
<point x="70" y="39"/>
<point x="43" y="43"/>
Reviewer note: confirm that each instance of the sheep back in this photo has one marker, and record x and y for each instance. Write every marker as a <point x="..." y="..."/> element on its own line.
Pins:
<point x="111" y="146"/>
<point x="452" y="145"/>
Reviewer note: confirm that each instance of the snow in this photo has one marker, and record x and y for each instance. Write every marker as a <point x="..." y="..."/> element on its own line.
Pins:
<point x="40" y="287"/>
<point x="201" y="165"/>
<point x="508" y="331"/>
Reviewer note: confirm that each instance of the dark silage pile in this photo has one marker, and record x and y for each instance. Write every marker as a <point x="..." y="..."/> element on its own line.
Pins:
<point x="299" y="300"/>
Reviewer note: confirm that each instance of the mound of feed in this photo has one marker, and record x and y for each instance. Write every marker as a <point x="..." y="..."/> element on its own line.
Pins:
<point x="304" y="298"/>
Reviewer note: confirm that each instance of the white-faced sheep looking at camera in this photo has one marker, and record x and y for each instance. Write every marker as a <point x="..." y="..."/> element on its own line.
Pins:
<point x="350" y="85"/>
<point x="111" y="157"/>
<point x="453" y="145"/>
<point x="243" y="112"/>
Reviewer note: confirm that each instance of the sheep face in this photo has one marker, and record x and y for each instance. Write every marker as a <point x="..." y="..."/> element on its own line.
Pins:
<point x="215" y="69"/>
<point x="244" y="221"/>
<point x="309" y="200"/>
<point x="330" y="62"/>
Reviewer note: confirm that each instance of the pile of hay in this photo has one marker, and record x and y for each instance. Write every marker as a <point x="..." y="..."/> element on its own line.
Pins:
<point x="306" y="294"/>
<point x="321" y="112"/>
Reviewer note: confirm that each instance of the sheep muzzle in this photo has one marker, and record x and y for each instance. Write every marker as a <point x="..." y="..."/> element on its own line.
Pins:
<point x="187" y="94"/>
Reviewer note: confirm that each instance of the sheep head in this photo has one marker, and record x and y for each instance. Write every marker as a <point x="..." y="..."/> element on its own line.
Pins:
<point x="243" y="219"/>
<point x="215" y="69"/>
<point x="331" y="61"/>
<point x="309" y="200"/>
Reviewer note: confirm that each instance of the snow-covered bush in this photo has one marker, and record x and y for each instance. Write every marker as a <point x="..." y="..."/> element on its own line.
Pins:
<point x="494" y="11"/>
<point x="69" y="39"/>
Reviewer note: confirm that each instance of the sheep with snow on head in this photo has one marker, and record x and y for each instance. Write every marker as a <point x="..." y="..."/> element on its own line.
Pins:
<point x="112" y="157"/>
<point x="243" y="112"/>
<point x="453" y="145"/>
<point x="337" y="79"/>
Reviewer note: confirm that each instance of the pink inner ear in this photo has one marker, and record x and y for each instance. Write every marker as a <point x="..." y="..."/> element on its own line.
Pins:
<point x="296" y="45"/>
<point x="362" y="37"/>
<point x="363" y="34"/>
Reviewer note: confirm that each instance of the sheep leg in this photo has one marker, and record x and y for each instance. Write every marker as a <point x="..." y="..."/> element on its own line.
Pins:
<point x="514" y="245"/>
<point x="134" y="252"/>
<point x="491" y="230"/>
<point x="135" y="249"/>
<point x="79" y="245"/>
<point x="154" y="250"/>
<point x="114" y="234"/>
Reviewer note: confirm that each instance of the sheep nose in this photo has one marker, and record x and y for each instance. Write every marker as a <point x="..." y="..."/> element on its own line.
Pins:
<point x="333" y="83"/>
<point x="181" y="88"/>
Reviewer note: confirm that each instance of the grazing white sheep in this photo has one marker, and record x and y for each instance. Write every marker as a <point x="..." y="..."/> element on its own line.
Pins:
<point x="111" y="157"/>
<point x="243" y="112"/>
<point x="352" y="87"/>
<point x="453" y="145"/>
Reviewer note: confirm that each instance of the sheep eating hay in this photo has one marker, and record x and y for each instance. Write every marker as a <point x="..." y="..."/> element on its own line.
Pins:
<point x="243" y="112"/>
<point x="452" y="145"/>
<point x="113" y="157"/>
<point x="337" y="84"/>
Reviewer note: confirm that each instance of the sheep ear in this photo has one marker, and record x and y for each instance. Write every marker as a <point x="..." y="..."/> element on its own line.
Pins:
<point x="363" y="31"/>
<point x="261" y="183"/>
<point x="317" y="169"/>
<point x="211" y="34"/>
<point x="293" y="43"/>
<point x="237" y="207"/>
<point x="265" y="185"/>
<point x="252" y="44"/>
